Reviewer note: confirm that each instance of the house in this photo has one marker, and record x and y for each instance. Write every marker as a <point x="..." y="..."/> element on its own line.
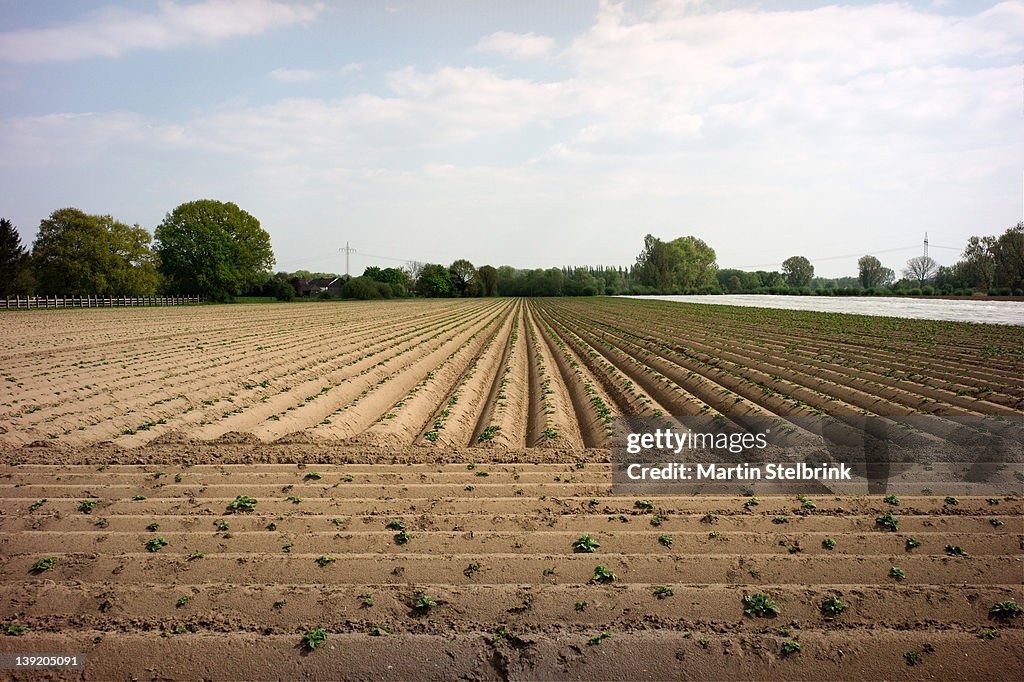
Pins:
<point x="313" y="288"/>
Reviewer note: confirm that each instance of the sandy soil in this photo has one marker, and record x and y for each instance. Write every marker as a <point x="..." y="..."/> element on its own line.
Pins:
<point x="348" y="422"/>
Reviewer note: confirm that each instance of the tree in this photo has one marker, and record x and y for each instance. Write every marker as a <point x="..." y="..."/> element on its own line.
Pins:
<point x="366" y="288"/>
<point x="488" y="278"/>
<point x="212" y="248"/>
<point x="656" y="265"/>
<point x="683" y="263"/>
<point x="134" y="266"/>
<point x="434" y="281"/>
<point x="13" y="261"/>
<point x="91" y="255"/>
<point x="373" y="272"/>
<point x="550" y="282"/>
<point x="413" y="269"/>
<point x="798" y="271"/>
<point x="581" y="282"/>
<point x="1009" y="258"/>
<point x="397" y="279"/>
<point x="949" y="279"/>
<point x="920" y="268"/>
<point x="696" y="266"/>
<point x="463" y="277"/>
<point x="70" y="255"/>
<point x="612" y="281"/>
<point x="978" y="266"/>
<point x="873" y="274"/>
<point x="768" y="279"/>
<point x="283" y="291"/>
<point x="508" y="281"/>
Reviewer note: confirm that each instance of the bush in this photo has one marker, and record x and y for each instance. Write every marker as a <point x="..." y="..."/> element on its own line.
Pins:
<point x="365" y="289"/>
<point x="283" y="291"/>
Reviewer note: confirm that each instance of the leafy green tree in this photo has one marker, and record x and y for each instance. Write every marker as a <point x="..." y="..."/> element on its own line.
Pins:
<point x="14" y="261"/>
<point x="212" y="248"/>
<point x="872" y="274"/>
<point x="90" y="255"/>
<point x="434" y="281"/>
<point x="978" y="267"/>
<point x="283" y="291"/>
<point x="397" y="279"/>
<point x="730" y="279"/>
<point x="950" y="278"/>
<point x="488" y="278"/>
<point x="798" y="271"/>
<point x="373" y="272"/>
<point x="1009" y="258"/>
<point x="463" y="277"/>
<point x="134" y="271"/>
<point x="683" y="264"/>
<point x="613" y="281"/>
<point x="696" y="267"/>
<point x="581" y="282"/>
<point x="551" y="282"/>
<point x="70" y="255"/>
<point x="656" y="265"/>
<point x="768" y="279"/>
<point x="366" y="288"/>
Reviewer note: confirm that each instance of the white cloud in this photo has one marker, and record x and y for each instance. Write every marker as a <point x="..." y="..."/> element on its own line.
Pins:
<point x="112" y="31"/>
<point x="866" y="120"/>
<point x="686" y="73"/>
<point x="77" y="139"/>
<point x="296" y="75"/>
<point x="426" y="110"/>
<point x="283" y="75"/>
<point x="516" y="45"/>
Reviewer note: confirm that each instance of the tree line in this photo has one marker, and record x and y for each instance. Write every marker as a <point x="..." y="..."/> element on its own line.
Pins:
<point x="687" y="265"/>
<point x="991" y="265"/>
<point x="202" y="248"/>
<point x="217" y="250"/>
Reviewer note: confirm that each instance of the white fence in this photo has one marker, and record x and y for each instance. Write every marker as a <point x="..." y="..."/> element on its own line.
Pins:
<point x="25" y="302"/>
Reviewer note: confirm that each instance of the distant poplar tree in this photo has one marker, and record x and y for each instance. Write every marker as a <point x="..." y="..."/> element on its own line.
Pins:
<point x="13" y="260"/>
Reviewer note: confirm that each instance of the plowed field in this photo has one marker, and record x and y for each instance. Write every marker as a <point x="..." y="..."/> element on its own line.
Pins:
<point x="451" y="454"/>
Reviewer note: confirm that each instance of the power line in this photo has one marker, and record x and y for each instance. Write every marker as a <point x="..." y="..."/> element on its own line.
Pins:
<point x="815" y="260"/>
<point x="397" y="260"/>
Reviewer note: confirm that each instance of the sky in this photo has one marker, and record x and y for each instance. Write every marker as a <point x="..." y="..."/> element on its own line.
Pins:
<point x="525" y="132"/>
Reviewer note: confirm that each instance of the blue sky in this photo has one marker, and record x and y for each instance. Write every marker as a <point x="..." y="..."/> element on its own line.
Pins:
<point x="526" y="133"/>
